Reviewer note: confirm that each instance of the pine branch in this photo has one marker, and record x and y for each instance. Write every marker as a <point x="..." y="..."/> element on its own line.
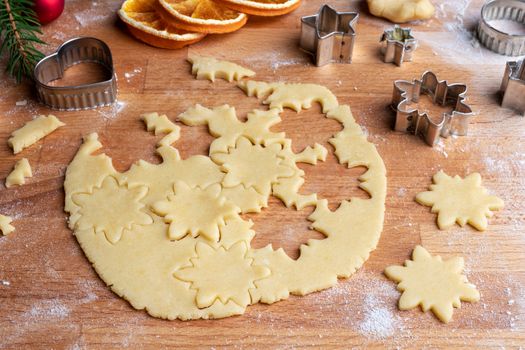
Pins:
<point x="19" y="27"/>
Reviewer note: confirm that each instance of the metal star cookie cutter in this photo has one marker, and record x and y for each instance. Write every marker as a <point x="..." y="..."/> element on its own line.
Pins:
<point x="397" y="45"/>
<point x="76" y="97"/>
<point x="410" y="120"/>
<point x="329" y="35"/>
<point x="513" y="86"/>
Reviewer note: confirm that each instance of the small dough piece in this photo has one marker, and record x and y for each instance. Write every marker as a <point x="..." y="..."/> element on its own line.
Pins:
<point x="160" y="124"/>
<point x="21" y="170"/>
<point x="459" y="200"/>
<point x="224" y="274"/>
<point x="434" y="284"/>
<point x="211" y="68"/>
<point x="294" y="96"/>
<point x="401" y="11"/>
<point x="33" y="131"/>
<point x="5" y="225"/>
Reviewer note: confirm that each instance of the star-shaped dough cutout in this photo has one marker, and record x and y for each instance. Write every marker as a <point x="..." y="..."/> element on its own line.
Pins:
<point x="253" y="166"/>
<point x="111" y="209"/>
<point x="459" y="200"/>
<point x="434" y="284"/>
<point x="195" y="211"/>
<point x="223" y="274"/>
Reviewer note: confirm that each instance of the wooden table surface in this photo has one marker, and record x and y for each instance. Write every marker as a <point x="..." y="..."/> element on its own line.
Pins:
<point x="50" y="297"/>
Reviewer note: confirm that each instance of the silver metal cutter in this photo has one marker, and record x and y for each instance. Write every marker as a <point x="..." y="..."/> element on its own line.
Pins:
<point x="513" y="86"/>
<point x="74" y="51"/>
<point x="410" y="120"/>
<point x="329" y="35"/>
<point x="496" y="40"/>
<point x="397" y="45"/>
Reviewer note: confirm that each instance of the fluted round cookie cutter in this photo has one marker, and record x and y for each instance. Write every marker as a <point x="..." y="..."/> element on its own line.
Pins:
<point x="496" y="40"/>
<point x="76" y="97"/>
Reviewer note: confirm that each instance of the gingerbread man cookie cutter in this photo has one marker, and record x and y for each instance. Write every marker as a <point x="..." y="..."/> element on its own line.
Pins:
<point x="513" y="86"/>
<point x="397" y="45"/>
<point x="76" y="97"/>
<point x="410" y="119"/>
<point x="329" y="35"/>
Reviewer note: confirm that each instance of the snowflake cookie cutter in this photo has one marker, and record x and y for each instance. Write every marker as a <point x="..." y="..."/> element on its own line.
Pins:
<point x="329" y="35"/>
<point x="398" y="45"/>
<point x="513" y="86"/>
<point x="410" y="120"/>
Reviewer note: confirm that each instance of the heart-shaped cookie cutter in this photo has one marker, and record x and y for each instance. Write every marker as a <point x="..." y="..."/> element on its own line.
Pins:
<point x="76" y="97"/>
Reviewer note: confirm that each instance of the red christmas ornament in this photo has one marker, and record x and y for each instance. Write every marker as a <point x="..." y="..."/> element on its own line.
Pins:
<point x="48" y="10"/>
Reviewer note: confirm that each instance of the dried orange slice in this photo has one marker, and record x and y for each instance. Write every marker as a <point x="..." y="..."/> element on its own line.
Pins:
<point x="262" y="7"/>
<point x="204" y="16"/>
<point x="145" y="24"/>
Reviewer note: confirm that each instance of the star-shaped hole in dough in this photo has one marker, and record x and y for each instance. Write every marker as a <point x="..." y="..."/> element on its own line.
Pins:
<point x="112" y="209"/>
<point x="459" y="200"/>
<point x="195" y="211"/>
<point x="253" y="166"/>
<point x="434" y="284"/>
<point x="223" y="274"/>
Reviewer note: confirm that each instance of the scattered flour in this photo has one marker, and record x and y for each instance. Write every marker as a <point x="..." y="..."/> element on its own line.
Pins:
<point x="46" y="309"/>
<point x="130" y="75"/>
<point x="88" y="17"/>
<point x="21" y="103"/>
<point x="459" y="44"/>
<point x="378" y="321"/>
<point x="401" y="192"/>
<point x="111" y="112"/>
<point x="5" y="283"/>
<point x="277" y="60"/>
<point x="440" y="147"/>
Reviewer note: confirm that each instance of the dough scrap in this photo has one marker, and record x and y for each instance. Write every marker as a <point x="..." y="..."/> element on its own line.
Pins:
<point x="5" y="225"/>
<point x="222" y="274"/>
<point x="459" y="200"/>
<point x="434" y="284"/>
<point x="401" y="11"/>
<point x="211" y="68"/>
<point x="294" y="96"/>
<point x="160" y="124"/>
<point x="223" y="123"/>
<point x="21" y="170"/>
<point x="185" y="278"/>
<point x="195" y="211"/>
<point x="33" y="131"/>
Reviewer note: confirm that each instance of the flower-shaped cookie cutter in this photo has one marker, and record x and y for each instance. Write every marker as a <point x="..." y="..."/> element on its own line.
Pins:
<point x="397" y="45"/>
<point x="329" y="35"/>
<point x="76" y="97"/>
<point x="410" y="120"/>
<point x="513" y="86"/>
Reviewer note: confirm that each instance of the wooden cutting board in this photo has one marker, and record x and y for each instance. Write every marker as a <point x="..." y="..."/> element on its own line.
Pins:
<point x="50" y="297"/>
